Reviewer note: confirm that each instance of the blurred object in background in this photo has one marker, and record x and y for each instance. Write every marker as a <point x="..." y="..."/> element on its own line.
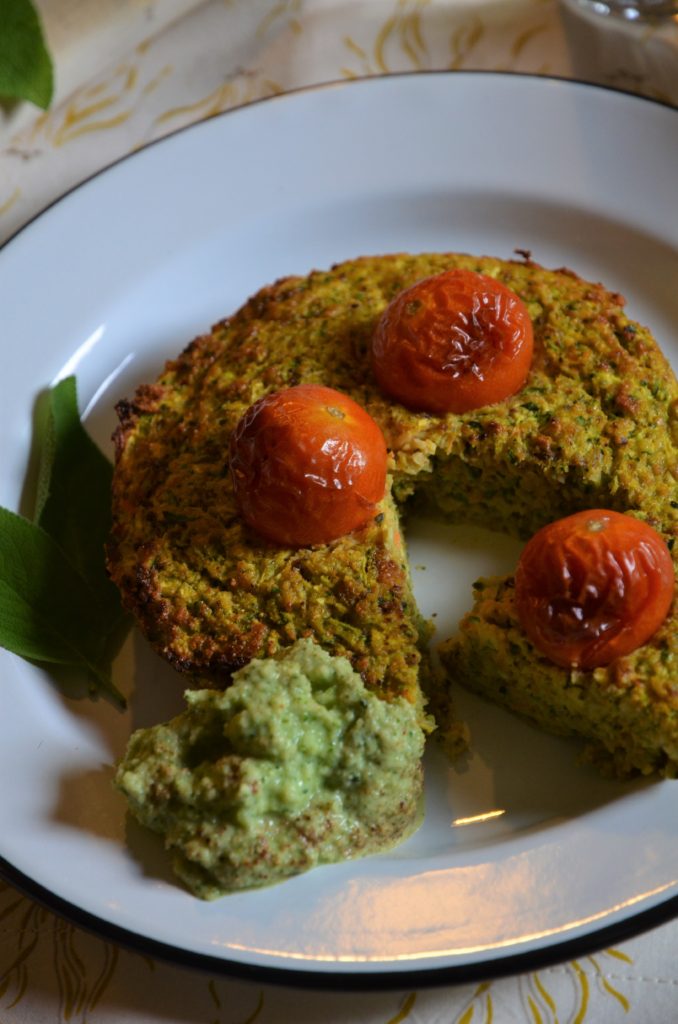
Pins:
<point x="631" y="10"/>
<point x="623" y="51"/>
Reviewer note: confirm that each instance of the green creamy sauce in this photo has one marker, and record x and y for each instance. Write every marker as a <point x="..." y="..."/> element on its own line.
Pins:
<point x="295" y="764"/>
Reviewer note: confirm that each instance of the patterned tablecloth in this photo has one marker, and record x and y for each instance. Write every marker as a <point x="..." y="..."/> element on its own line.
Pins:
<point x="129" y="72"/>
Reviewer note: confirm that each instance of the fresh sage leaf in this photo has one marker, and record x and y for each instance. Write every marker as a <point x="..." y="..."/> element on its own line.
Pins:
<point x="73" y="501"/>
<point x="57" y="604"/>
<point x="48" y="613"/>
<point x="26" y="70"/>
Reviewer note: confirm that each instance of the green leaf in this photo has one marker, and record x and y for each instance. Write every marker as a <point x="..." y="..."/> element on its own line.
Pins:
<point x="73" y="500"/>
<point x="27" y="631"/>
<point x="26" y="71"/>
<point x="57" y="604"/>
<point x="47" y="611"/>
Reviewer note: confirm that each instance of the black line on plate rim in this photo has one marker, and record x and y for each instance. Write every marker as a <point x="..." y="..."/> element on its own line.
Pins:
<point x="340" y="980"/>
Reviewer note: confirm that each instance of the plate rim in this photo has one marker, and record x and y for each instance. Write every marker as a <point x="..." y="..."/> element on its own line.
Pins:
<point x="334" y="83"/>
<point x="390" y="977"/>
<point x="394" y="979"/>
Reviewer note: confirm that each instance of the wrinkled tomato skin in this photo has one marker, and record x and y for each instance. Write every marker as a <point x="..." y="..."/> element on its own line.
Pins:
<point x="593" y="587"/>
<point x="308" y="465"/>
<point x="453" y="342"/>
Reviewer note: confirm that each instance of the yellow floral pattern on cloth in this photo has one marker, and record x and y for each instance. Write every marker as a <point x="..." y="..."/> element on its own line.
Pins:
<point x="222" y="55"/>
<point x="227" y="54"/>
<point x="420" y="36"/>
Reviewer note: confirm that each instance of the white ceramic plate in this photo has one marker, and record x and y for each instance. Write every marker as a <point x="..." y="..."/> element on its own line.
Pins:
<point x="524" y="857"/>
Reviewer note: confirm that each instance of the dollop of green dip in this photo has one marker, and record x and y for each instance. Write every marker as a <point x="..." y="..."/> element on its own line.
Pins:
<point x="295" y="764"/>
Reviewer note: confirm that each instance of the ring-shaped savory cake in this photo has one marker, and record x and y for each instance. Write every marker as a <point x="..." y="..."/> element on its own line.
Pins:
<point x="593" y="426"/>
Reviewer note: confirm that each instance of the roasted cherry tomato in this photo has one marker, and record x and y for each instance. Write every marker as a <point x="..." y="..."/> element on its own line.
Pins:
<point x="593" y="587"/>
<point x="308" y="465"/>
<point x="453" y="342"/>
